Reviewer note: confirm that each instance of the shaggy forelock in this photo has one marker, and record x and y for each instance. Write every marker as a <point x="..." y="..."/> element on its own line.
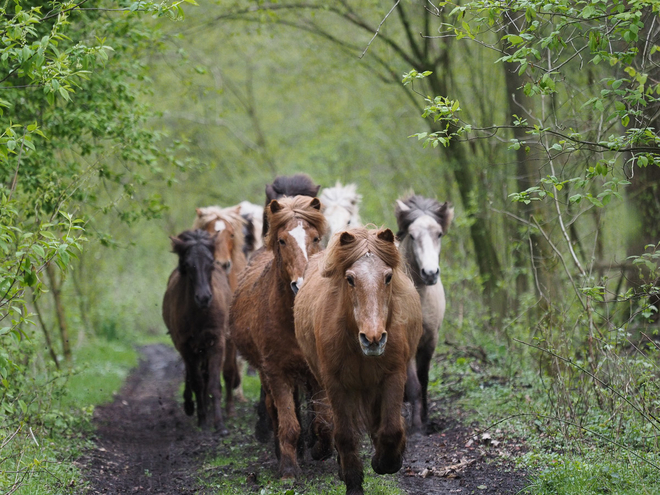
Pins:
<point x="190" y="238"/>
<point x="296" y="207"/>
<point x="338" y="258"/>
<point x="228" y="215"/>
<point x="420" y="206"/>
<point x="345" y="196"/>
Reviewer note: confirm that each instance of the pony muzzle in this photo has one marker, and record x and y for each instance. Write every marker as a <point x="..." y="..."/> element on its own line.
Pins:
<point x="296" y="285"/>
<point x="374" y="346"/>
<point x="430" y="277"/>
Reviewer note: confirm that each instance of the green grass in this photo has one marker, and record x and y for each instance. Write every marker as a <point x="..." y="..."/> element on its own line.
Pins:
<point x="52" y="436"/>
<point x="604" y="456"/>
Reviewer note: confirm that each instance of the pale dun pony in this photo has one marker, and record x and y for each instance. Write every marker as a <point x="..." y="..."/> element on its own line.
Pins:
<point x="358" y="321"/>
<point x="341" y="206"/>
<point x="422" y="224"/>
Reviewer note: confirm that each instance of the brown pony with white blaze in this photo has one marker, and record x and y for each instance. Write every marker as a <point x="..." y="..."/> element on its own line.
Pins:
<point x="261" y="320"/>
<point x="226" y="225"/>
<point x="195" y="309"/>
<point x="358" y="322"/>
<point x="422" y="224"/>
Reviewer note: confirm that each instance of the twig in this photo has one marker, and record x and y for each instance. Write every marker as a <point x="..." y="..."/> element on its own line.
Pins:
<point x="14" y="181"/>
<point x="379" y="26"/>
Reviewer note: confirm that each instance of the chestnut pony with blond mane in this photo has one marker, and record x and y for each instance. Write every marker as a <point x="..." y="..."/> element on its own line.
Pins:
<point x="261" y="320"/>
<point x="358" y="322"/>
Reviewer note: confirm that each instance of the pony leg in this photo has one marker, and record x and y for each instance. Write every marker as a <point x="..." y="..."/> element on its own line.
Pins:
<point x="231" y="375"/>
<point x="321" y="423"/>
<point x="288" y="427"/>
<point x="188" y="404"/>
<point x="390" y="436"/>
<point x="194" y="376"/>
<point x="413" y="393"/>
<point x="215" y="389"/>
<point x="423" y="366"/>
<point x="263" y="428"/>
<point x="346" y="442"/>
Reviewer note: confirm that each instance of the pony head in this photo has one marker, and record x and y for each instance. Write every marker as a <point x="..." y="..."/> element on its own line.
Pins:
<point x="288" y="186"/>
<point x="367" y="264"/>
<point x="422" y="223"/>
<point x="226" y="224"/>
<point x="195" y="249"/>
<point x="341" y="204"/>
<point x="294" y="235"/>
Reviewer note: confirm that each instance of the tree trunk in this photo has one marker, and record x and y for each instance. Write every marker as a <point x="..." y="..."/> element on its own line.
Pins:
<point x="56" y="291"/>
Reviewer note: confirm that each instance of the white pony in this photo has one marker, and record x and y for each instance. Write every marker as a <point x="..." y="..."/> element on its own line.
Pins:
<point x="340" y="208"/>
<point x="422" y="223"/>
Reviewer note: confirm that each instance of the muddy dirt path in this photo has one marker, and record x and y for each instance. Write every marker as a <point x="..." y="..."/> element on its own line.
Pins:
<point x="146" y="444"/>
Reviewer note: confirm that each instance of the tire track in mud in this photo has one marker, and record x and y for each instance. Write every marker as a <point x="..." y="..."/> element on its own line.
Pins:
<point x="146" y="444"/>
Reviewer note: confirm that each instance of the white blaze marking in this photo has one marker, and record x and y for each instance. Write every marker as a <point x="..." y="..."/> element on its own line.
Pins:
<point x="300" y="235"/>
<point x="426" y="250"/>
<point x="220" y="226"/>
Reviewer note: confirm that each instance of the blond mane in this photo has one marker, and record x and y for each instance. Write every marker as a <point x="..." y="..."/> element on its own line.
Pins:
<point x="301" y="207"/>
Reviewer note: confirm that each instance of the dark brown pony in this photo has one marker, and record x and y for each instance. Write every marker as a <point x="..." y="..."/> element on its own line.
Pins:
<point x="261" y="319"/>
<point x="195" y="309"/>
<point x="288" y="186"/>
<point x="358" y="321"/>
<point x="226" y="224"/>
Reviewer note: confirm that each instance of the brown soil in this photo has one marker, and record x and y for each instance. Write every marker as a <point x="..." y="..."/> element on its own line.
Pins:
<point x="146" y="444"/>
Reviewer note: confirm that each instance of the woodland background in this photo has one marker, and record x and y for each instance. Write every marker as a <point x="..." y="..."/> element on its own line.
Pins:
<point x="537" y="120"/>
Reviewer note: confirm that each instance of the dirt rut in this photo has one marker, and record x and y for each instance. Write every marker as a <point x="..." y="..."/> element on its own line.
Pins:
<point x="146" y="444"/>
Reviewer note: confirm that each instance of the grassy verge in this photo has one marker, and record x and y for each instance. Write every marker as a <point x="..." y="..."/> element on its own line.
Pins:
<point x="43" y="442"/>
<point x="599" y="454"/>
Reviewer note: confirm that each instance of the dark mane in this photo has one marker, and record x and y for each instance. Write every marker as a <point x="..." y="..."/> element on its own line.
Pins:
<point x="290" y="186"/>
<point x="420" y="206"/>
<point x="296" y="207"/>
<point x="189" y="238"/>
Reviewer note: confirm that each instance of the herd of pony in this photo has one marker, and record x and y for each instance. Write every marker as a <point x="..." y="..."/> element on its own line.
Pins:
<point x="333" y="316"/>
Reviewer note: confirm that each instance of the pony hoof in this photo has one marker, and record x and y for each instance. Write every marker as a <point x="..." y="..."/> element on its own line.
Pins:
<point x="189" y="408"/>
<point x="386" y="466"/>
<point x="289" y="473"/>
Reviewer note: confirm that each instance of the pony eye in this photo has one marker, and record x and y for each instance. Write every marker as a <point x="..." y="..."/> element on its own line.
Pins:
<point x="316" y="239"/>
<point x="350" y="280"/>
<point x="439" y="235"/>
<point x="349" y="222"/>
<point x="412" y="237"/>
<point x="388" y="279"/>
<point x="282" y="243"/>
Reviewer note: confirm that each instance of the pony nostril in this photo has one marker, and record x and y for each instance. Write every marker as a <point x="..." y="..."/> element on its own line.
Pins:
<point x="383" y="339"/>
<point x="294" y="287"/>
<point x="364" y="340"/>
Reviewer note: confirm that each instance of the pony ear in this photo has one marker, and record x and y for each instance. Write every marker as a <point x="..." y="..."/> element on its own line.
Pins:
<point x="274" y="206"/>
<point x="177" y="244"/>
<point x="346" y="238"/>
<point x="315" y="203"/>
<point x="199" y="212"/>
<point x="316" y="191"/>
<point x="401" y="206"/>
<point x="270" y="193"/>
<point x="385" y="235"/>
<point x="449" y="216"/>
